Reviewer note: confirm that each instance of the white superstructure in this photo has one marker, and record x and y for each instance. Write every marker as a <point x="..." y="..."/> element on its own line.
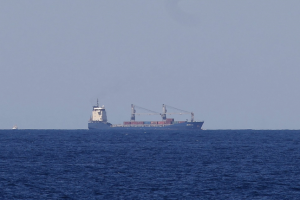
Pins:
<point x="98" y="114"/>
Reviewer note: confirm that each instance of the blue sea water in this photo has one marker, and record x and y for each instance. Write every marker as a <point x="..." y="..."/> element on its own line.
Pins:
<point x="82" y="164"/>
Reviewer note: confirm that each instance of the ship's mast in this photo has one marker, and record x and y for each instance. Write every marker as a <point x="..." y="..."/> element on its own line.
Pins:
<point x="97" y="103"/>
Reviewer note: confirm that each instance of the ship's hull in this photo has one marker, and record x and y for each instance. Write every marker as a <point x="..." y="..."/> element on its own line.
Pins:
<point x="179" y="126"/>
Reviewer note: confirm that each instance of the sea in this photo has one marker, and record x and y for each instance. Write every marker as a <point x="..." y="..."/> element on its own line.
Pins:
<point x="208" y="164"/>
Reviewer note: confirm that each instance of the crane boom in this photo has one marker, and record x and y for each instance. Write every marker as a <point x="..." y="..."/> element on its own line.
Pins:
<point x="181" y="112"/>
<point x="133" y="112"/>
<point x="147" y="113"/>
<point x="151" y="111"/>
<point x="178" y="109"/>
<point x="163" y="114"/>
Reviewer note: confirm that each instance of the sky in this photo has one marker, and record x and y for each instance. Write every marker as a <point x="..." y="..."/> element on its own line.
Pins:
<point x="235" y="64"/>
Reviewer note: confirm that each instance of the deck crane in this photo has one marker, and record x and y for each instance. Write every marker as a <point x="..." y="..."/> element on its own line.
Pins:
<point x="133" y="112"/>
<point x="181" y="112"/>
<point x="163" y="114"/>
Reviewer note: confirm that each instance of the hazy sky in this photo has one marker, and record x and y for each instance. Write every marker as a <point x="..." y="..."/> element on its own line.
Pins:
<point x="235" y="63"/>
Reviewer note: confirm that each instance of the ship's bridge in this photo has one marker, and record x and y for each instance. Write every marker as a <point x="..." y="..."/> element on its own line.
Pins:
<point x="99" y="114"/>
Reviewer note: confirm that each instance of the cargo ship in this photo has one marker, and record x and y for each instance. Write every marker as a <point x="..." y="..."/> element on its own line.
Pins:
<point x="98" y="120"/>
